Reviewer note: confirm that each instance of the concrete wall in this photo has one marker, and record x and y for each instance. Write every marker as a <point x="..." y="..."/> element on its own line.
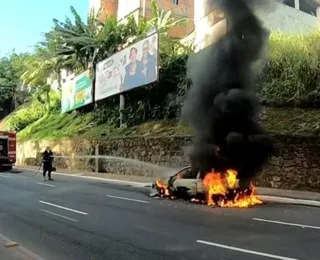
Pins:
<point x="275" y="16"/>
<point x="296" y="167"/>
<point x="126" y="7"/>
<point x="287" y="19"/>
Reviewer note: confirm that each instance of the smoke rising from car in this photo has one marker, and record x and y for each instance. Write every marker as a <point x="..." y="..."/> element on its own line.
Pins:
<point x="221" y="106"/>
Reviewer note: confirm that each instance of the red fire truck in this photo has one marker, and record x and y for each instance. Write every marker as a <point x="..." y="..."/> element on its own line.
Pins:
<point x="8" y="142"/>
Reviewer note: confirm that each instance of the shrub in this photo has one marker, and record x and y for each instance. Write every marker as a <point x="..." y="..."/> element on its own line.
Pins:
<point x="32" y="111"/>
<point x="292" y="75"/>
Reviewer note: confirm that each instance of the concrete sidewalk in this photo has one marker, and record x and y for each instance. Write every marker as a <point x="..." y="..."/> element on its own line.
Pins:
<point x="267" y="194"/>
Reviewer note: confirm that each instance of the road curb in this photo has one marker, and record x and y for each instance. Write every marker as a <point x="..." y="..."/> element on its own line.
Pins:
<point x="12" y="250"/>
<point x="123" y="182"/>
<point x="287" y="200"/>
<point x="131" y="183"/>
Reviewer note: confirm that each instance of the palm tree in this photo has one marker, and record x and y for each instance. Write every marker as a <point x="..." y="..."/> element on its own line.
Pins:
<point x="41" y="66"/>
<point x="92" y="41"/>
<point x="164" y="21"/>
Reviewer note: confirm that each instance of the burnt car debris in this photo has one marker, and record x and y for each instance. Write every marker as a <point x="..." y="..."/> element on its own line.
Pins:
<point x="216" y="189"/>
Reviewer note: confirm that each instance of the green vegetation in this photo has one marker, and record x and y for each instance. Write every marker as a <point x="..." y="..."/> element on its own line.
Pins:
<point x="289" y="88"/>
<point x="292" y="77"/>
<point x="8" y="81"/>
<point x="56" y="126"/>
<point x="33" y="112"/>
<point x="11" y="69"/>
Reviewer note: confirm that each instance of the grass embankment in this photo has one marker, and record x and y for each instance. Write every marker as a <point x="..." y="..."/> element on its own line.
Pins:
<point x="56" y="126"/>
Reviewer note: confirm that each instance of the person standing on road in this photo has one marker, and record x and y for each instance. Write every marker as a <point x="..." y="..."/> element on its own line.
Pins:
<point x="47" y="159"/>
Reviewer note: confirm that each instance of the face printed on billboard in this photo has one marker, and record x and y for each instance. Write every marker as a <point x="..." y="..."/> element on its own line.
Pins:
<point x="132" y="67"/>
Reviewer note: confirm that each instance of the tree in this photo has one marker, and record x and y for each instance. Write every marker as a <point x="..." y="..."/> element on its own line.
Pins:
<point x="163" y="21"/>
<point x="40" y="66"/>
<point x="18" y="63"/>
<point x="92" y="41"/>
<point x="8" y="80"/>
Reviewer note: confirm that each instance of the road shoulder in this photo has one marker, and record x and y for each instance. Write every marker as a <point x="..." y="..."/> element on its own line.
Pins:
<point x="11" y="250"/>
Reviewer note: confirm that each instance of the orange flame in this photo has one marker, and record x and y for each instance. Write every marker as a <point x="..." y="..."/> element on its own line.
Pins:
<point x="220" y="184"/>
<point x="221" y="189"/>
<point x="163" y="187"/>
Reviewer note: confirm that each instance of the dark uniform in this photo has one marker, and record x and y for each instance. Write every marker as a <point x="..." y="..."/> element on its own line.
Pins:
<point x="47" y="157"/>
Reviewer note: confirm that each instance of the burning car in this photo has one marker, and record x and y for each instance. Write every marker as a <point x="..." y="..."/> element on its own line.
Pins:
<point x="216" y="189"/>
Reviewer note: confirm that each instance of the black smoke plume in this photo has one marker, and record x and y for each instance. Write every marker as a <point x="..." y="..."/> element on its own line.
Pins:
<point x="221" y="106"/>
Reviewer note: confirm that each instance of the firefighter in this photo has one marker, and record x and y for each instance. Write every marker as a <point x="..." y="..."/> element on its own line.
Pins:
<point x="47" y="159"/>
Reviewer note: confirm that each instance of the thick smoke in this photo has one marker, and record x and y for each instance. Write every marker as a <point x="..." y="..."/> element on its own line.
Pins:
<point x="221" y="106"/>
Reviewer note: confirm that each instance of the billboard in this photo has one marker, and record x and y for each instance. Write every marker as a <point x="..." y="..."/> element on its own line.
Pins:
<point x="76" y="92"/>
<point x="132" y="67"/>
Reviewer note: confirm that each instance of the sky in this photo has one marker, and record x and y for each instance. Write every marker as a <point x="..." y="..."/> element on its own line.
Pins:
<point x="23" y="22"/>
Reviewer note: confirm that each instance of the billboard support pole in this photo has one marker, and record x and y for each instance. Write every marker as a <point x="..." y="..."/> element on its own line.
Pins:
<point x="121" y="108"/>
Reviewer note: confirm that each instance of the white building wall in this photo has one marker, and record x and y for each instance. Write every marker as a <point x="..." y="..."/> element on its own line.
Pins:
<point x="125" y="7"/>
<point x="276" y="16"/>
<point x="287" y="19"/>
<point x="94" y="5"/>
<point x="64" y="75"/>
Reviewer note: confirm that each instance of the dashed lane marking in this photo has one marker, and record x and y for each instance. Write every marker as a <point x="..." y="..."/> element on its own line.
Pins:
<point x="128" y="199"/>
<point x="45" y="184"/>
<point x="58" y="215"/>
<point x="285" y="223"/>
<point x="62" y="207"/>
<point x="242" y="250"/>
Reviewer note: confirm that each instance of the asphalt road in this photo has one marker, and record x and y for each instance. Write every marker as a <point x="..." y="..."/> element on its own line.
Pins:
<point x="76" y="218"/>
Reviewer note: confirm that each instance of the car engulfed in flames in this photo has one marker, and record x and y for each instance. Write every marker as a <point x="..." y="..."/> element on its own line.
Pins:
<point x="216" y="189"/>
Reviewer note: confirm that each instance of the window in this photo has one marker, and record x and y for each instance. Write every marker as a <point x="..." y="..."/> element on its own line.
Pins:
<point x="308" y="7"/>
<point x="175" y="2"/>
<point x="305" y="6"/>
<point x="289" y="3"/>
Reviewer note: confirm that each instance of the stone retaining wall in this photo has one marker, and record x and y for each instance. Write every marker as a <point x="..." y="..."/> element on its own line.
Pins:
<point x="296" y="167"/>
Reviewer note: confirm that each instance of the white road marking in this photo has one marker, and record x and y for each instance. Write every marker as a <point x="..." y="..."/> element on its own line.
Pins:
<point x="44" y="184"/>
<point x="58" y="215"/>
<point x="245" y="250"/>
<point x="123" y="198"/>
<point x="61" y="207"/>
<point x="286" y="223"/>
<point x="4" y="176"/>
